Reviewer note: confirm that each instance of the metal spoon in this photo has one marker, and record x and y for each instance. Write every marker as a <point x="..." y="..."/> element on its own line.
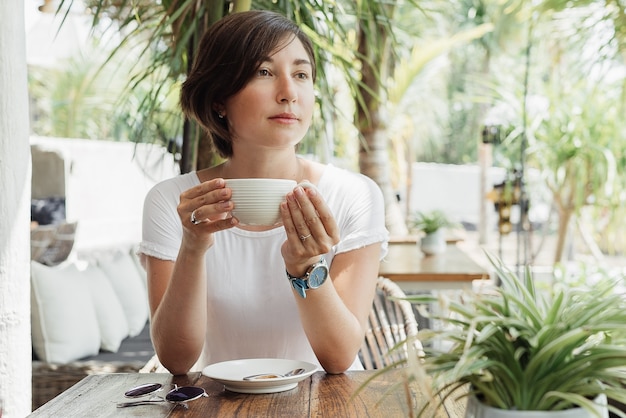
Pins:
<point x="294" y="372"/>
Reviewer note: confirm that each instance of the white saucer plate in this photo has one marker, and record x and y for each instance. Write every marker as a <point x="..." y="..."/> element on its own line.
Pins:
<point x="231" y="374"/>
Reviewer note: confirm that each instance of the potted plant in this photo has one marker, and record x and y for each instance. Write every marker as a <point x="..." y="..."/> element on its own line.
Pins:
<point x="518" y="349"/>
<point x="431" y="223"/>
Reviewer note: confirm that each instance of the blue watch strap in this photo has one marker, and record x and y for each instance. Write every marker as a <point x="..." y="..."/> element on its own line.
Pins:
<point x="301" y="286"/>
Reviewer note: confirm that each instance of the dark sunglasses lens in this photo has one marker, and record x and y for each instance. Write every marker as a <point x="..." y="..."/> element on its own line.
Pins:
<point x="142" y="390"/>
<point x="185" y="393"/>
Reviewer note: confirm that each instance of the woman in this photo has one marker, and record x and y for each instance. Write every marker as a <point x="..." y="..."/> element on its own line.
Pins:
<point x="218" y="289"/>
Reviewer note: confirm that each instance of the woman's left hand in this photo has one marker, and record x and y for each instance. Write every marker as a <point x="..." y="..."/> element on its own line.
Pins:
<point x="310" y="226"/>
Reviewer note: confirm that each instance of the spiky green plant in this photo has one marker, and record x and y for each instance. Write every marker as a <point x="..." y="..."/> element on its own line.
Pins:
<point x="524" y="349"/>
<point x="430" y="221"/>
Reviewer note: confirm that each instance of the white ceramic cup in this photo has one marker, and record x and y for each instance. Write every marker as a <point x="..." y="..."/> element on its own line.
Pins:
<point x="257" y="200"/>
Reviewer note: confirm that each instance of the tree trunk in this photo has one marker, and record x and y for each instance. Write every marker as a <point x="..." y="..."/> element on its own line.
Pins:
<point x="370" y="120"/>
<point x="374" y="163"/>
<point x="564" y="219"/>
<point x="197" y="152"/>
<point x="15" y="190"/>
<point x="188" y="153"/>
<point x="485" y="161"/>
<point x="565" y="198"/>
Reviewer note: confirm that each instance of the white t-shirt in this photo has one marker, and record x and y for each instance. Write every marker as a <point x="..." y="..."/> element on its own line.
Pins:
<point x="251" y="309"/>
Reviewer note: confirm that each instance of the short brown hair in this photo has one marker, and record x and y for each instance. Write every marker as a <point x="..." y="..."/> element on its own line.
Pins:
<point x="228" y="56"/>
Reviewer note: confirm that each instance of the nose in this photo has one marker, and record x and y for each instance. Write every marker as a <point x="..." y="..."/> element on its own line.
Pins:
<point x="287" y="92"/>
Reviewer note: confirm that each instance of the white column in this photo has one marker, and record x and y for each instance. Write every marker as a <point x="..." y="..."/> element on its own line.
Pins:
<point x="15" y="186"/>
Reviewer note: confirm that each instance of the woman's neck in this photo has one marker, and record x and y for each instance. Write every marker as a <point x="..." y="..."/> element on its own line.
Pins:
<point x="292" y="168"/>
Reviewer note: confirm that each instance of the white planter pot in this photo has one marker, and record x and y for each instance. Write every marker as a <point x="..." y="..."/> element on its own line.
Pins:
<point x="434" y="243"/>
<point x="475" y="409"/>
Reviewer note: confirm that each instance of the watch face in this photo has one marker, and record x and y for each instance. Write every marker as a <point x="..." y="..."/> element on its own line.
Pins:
<point x="318" y="276"/>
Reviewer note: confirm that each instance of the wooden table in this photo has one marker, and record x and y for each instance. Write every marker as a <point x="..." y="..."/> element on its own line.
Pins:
<point x="320" y="395"/>
<point x="406" y="265"/>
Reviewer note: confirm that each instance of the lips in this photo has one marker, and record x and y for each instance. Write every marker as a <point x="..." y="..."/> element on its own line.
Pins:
<point x="285" y="116"/>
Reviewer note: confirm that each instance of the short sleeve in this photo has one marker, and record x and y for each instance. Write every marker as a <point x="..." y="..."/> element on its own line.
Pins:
<point x="161" y="227"/>
<point x="358" y="206"/>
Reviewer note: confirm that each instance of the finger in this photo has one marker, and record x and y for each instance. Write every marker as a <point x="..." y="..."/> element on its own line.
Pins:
<point x="211" y="212"/>
<point x="203" y="188"/>
<point x="318" y="215"/>
<point x="207" y="201"/>
<point x="292" y="233"/>
<point x="297" y="213"/>
<point x="214" y="226"/>
<point x="202" y="235"/>
<point x="309" y="201"/>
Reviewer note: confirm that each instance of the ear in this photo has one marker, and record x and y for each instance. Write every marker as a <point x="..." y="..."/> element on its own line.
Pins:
<point x="219" y="108"/>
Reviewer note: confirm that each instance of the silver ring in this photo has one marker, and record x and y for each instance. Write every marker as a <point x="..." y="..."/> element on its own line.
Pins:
<point x="303" y="237"/>
<point x="193" y="218"/>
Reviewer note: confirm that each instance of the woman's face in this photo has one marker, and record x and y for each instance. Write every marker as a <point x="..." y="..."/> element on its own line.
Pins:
<point x="274" y="109"/>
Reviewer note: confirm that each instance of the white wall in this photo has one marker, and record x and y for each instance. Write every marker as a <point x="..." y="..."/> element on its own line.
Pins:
<point x="455" y="189"/>
<point x="106" y="183"/>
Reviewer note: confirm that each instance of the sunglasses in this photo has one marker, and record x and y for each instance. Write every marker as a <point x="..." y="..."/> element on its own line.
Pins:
<point x="179" y="395"/>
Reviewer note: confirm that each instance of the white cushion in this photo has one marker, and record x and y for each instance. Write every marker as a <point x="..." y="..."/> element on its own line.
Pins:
<point x="111" y="316"/>
<point x="64" y="322"/>
<point x="142" y="272"/>
<point x="128" y="285"/>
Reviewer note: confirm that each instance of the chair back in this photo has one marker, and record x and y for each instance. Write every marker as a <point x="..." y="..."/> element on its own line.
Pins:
<point x="390" y="322"/>
<point x="52" y="244"/>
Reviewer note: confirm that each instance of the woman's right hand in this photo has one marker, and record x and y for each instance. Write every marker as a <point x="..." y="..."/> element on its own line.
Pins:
<point x="209" y="205"/>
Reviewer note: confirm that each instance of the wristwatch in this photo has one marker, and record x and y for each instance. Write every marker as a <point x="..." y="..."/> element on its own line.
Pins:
<point x="314" y="277"/>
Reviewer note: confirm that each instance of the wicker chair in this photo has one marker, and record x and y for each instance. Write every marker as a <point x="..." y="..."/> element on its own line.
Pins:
<point x="390" y="322"/>
<point x="52" y="244"/>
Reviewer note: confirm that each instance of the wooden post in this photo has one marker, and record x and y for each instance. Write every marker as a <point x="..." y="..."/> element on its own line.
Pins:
<point x="484" y="162"/>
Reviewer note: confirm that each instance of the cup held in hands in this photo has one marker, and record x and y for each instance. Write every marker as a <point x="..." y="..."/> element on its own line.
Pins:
<point x="257" y="200"/>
